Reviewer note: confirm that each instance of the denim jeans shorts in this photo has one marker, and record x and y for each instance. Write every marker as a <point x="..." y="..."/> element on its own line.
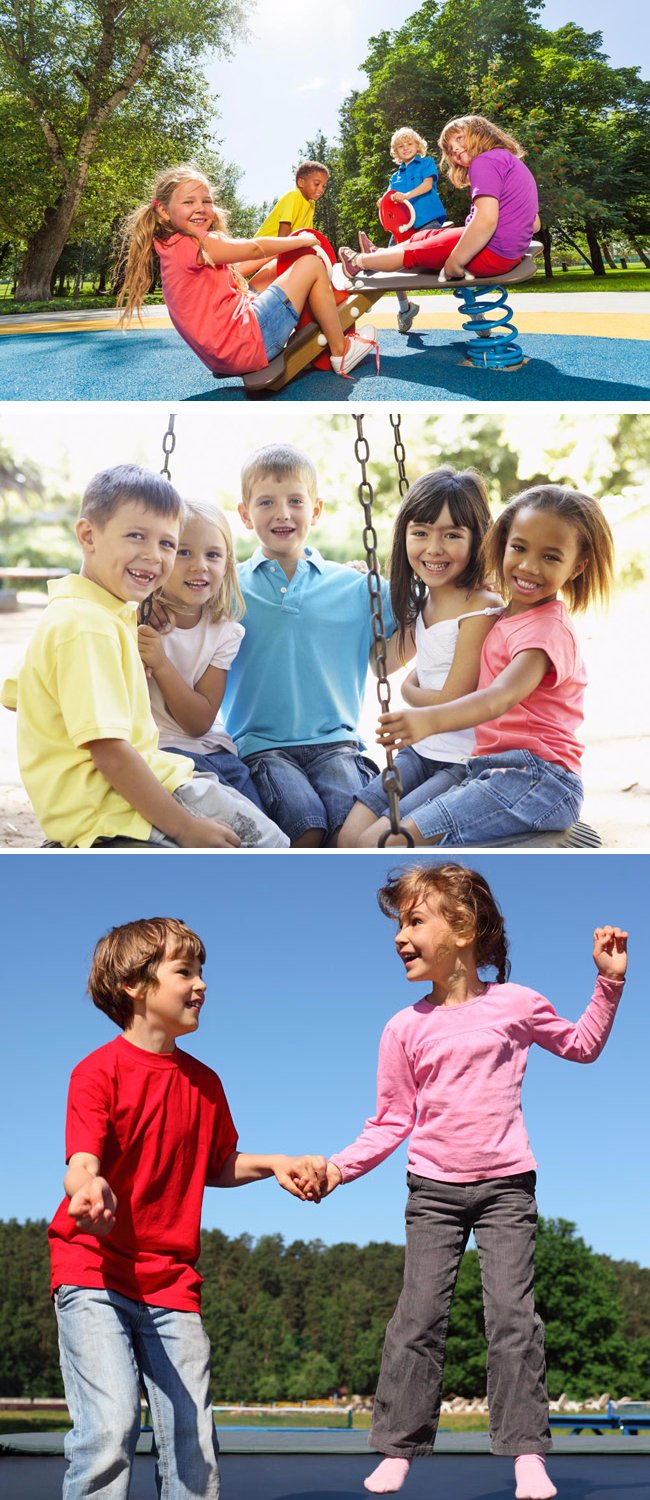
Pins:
<point x="228" y="767"/>
<point x="277" y="318"/>
<point x="499" y="797"/>
<point x="310" y="786"/>
<point x="421" y="779"/>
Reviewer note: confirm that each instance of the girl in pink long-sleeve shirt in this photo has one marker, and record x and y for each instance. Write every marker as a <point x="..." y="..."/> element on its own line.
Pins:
<point x="450" y="1073"/>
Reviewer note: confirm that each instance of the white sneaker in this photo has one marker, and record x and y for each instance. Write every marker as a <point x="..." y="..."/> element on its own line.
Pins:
<point x="357" y="347"/>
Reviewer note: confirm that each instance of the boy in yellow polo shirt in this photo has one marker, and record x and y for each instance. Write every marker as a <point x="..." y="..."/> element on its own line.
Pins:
<point x="294" y="210"/>
<point x="87" y="742"/>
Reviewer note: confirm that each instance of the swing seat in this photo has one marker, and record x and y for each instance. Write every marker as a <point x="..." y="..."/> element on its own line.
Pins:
<point x="103" y="844"/>
<point x="578" y="836"/>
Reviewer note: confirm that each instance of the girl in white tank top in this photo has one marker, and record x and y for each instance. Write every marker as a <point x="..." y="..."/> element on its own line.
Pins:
<point x="442" y="607"/>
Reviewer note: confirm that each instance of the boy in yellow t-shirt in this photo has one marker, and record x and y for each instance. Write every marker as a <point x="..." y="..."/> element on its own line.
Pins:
<point x="295" y="210"/>
<point x="87" y="743"/>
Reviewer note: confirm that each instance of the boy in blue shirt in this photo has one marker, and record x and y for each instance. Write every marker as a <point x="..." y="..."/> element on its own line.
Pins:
<point x="295" y="690"/>
<point x="415" y="182"/>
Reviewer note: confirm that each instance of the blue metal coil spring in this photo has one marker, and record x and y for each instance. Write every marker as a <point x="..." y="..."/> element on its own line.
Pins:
<point x="494" y="344"/>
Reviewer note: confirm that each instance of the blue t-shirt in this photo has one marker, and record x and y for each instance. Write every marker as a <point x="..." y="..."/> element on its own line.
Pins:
<point x="427" y="206"/>
<point x="299" y="676"/>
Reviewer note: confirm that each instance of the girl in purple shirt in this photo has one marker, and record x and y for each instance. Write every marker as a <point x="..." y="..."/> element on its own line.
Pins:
<point x="501" y="221"/>
<point x="450" y="1073"/>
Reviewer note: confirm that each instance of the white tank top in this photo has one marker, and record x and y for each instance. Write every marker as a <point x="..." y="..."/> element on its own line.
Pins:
<point x="435" y="647"/>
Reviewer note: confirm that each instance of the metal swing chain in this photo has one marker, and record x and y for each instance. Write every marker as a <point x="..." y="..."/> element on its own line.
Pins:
<point x="390" y="777"/>
<point x="168" y="445"/>
<point x="400" y="454"/>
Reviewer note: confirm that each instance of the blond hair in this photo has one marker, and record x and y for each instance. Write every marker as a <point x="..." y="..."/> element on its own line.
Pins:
<point x="406" y="134"/>
<point x="466" y="902"/>
<point x="278" y="461"/>
<point x="130" y="956"/>
<point x="134" y="264"/>
<point x="480" y="135"/>
<point x="228" y="602"/>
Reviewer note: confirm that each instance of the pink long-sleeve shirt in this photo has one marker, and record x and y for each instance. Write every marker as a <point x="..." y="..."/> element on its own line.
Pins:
<point x="451" y="1076"/>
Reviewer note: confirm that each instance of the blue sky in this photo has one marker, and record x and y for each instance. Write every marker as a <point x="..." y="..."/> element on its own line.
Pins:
<point x="302" y="977"/>
<point x="289" y="79"/>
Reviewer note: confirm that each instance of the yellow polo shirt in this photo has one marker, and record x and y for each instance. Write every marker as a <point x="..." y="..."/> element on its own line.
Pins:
<point x="293" y="209"/>
<point x="82" y="679"/>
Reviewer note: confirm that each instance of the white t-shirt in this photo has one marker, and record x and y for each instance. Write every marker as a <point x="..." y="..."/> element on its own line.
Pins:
<point x="435" y="649"/>
<point x="209" y="644"/>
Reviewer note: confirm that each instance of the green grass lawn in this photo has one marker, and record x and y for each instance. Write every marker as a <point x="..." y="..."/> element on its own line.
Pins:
<point x="579" y="279"/>
<point x="57" y="1421"/>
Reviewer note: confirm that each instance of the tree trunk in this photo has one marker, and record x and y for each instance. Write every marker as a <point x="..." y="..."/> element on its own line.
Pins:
<point x="645" y="261"/>
<point x="608" y="256"/>
<point x="597" y="262"/>
<point x="545" y="237"/>
<point x="48" y="243"/>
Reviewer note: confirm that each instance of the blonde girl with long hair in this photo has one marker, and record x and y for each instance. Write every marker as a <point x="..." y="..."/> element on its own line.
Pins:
<point x="230" y="328"/>
<point x="501" y="221"/>
<point x="193" y="641"/>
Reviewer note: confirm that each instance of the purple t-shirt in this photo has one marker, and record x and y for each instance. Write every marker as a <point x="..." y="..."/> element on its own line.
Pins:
<point x="499" y="174"/>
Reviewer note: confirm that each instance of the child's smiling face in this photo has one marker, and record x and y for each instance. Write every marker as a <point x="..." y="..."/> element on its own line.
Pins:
<point x="406" y="150"/>
<point x="132" y="553"/>
<point x="542" y="553"/>
<point x="281" y="513"/>
<point x="313" y="185"/>
<point x="438" y="551"/>
<point x="200" y="566"/>
<point x="456" y="149"/>
<point x="191" y="208"/>
<point x="426" y="942"/>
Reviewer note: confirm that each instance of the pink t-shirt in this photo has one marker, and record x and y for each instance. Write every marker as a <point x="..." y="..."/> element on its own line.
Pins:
<point x="451" y="1076"/>
<point x="208" y="309"/>
<point x="498" y="174"/>
<point x="547" y="722"/>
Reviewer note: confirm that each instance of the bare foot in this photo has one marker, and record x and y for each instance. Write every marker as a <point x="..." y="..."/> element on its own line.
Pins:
<point x="533" y="1482"/>
<point x="388" y="1476"/>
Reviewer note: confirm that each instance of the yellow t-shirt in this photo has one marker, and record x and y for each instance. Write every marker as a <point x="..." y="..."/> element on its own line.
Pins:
<point x="82" y="679"/>
<point x="293" y="209"/>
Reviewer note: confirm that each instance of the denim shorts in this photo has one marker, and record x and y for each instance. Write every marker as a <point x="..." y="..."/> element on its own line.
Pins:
<point x="421" y="779"/>
<point x="502" y="796"/>
<point x="277" y="318"/>
<point x="224" y="764"/>
<point x="310" y="786"/>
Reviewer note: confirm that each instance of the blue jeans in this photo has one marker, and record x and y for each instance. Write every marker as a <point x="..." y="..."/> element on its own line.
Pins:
<point x="277" y="318"/>
<point x="502" y="796"/>
<point x="421" y="779"/>
<point x="110" y="1346"/>
<point x="228" y="767"/>
<point x="310" y="786"/>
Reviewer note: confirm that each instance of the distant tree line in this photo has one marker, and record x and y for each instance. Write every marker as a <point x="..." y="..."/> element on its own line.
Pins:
<point x="299" y="1321"/>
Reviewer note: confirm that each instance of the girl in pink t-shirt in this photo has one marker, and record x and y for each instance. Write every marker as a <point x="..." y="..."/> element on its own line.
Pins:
<point x="449" y="1078"/>
<point x="501" y="222"/>
<point x="230" y="328"/>
<point x="524" y="774"/>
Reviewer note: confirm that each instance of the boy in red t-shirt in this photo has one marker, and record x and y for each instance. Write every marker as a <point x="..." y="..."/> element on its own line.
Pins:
<point x="148" y="1127"/>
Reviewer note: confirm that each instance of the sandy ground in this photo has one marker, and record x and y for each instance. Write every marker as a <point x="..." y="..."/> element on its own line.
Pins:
<point x="617" y="727"/>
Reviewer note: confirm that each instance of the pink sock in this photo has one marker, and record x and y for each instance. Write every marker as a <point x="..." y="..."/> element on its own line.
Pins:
<point x="533" y="1482"/>
<point x="388" y="1476"/>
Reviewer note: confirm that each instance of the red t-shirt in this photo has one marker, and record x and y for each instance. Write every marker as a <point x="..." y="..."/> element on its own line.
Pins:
<point x="209" y="310"/>
<point x="547" y="722"/>
<point x="161" y="1127"/>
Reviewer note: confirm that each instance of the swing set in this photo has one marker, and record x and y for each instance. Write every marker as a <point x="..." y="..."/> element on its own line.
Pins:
<point x="578" y="836"/>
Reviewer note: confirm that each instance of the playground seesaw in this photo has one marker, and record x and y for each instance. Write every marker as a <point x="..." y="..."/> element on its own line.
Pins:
<point x="483" y="304"/>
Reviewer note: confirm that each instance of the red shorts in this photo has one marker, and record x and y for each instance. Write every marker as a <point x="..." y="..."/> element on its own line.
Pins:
<point x="427" y="251"/>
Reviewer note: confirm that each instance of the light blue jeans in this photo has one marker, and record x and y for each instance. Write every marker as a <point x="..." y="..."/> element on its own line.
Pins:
<point x="510" y="795"/>
<point x="111" y="1346"/>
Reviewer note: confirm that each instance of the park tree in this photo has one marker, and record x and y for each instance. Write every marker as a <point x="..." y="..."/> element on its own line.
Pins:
<point x="65" y="75"/>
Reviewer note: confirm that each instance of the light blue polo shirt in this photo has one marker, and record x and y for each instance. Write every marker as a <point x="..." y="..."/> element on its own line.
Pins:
<point x="299" y="676"/>
<point x="427" y="206"/>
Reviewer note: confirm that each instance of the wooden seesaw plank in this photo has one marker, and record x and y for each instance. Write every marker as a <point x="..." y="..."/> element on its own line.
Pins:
<point x="304" y="346"/>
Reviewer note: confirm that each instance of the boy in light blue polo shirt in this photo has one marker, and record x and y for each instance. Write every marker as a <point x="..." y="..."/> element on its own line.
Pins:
<point x="295" y="689"/>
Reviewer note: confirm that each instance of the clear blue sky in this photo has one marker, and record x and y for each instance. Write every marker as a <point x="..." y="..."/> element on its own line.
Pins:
<point x="301" y="978"/>
<point x="302" y="59"/>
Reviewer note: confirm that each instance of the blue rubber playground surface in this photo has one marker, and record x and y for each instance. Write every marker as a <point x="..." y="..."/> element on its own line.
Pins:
<point x="155" y="365"/>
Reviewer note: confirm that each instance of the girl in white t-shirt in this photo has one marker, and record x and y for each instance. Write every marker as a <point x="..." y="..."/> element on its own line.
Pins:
<point x="196" y="638"/>
<point x="442" y="607"/>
